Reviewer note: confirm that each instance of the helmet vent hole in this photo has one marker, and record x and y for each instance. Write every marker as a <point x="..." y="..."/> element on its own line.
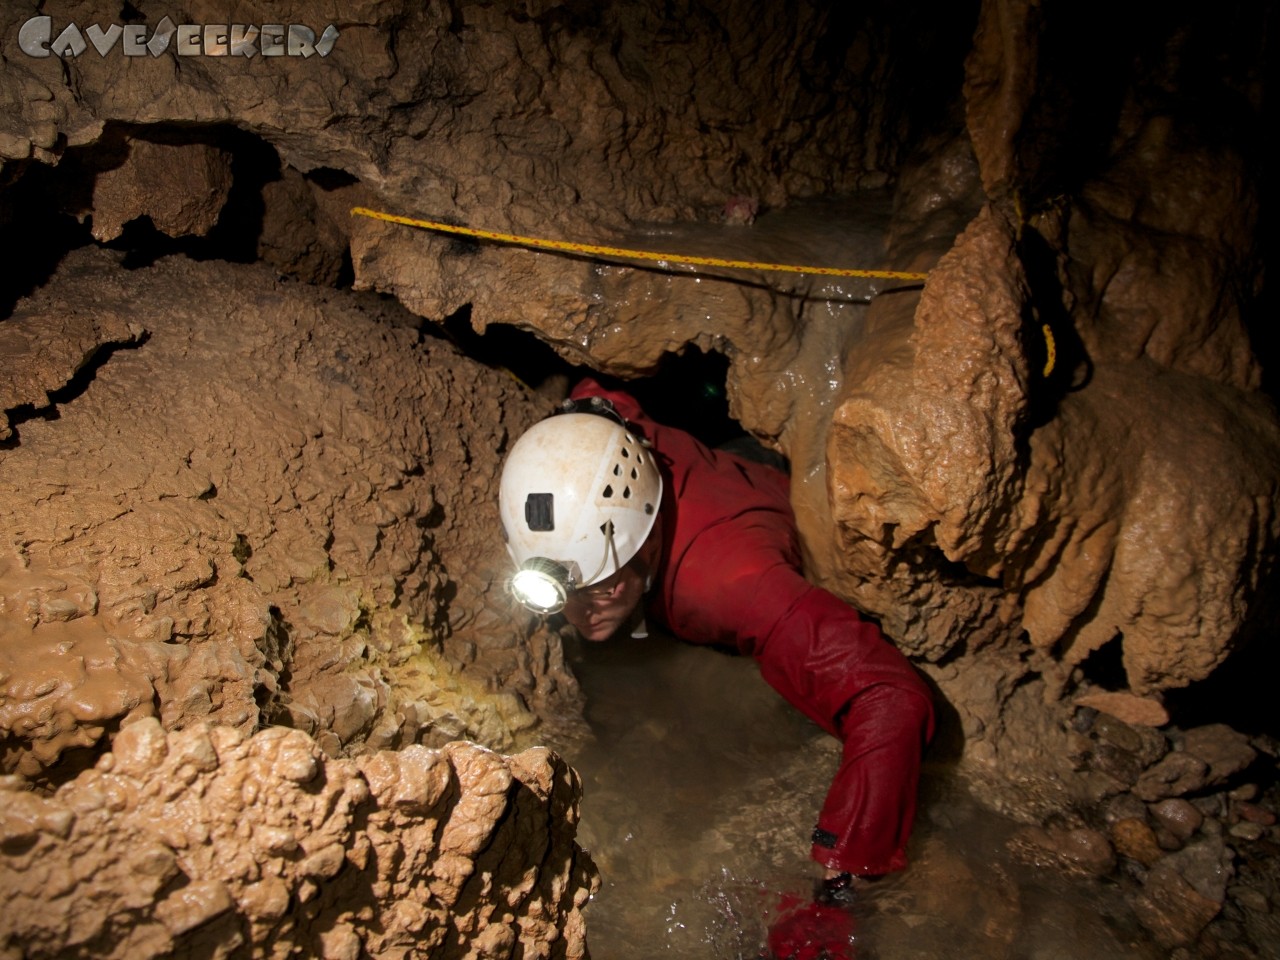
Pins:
<point x="626" y="493"/>
<point x="617" y="470"/>
<point x="640" y="459"/>
<point x="630" y="439"/>
<point x="626" y="453"/>
<point x="608" y="491"/>
<point x="634" y="473"/>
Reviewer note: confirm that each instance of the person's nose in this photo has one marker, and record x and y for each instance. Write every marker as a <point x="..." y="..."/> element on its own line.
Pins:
<point x="603" y="593"/>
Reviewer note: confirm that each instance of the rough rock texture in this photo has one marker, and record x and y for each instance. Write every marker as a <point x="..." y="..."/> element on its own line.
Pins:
<point x="1187" y="829"/>
<point x="208" y="842"/>
<point x="182" y="188"/>
<point x="1050" y="472"/>
<point x="1066" y="437"/>
<point x="273" y="506"/>
<point x="590" y="114"/>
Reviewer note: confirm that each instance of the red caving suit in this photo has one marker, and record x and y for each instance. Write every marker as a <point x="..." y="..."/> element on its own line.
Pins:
<point x="730" y="574"/>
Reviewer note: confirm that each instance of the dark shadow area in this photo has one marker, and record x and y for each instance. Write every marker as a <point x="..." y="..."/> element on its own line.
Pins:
<point x="68" y="392"/>
<point x="40" y="235"/>
<point x="687" y="391"/>
<point x="50" y="208"/>
<point x="1059" y="362"/>
<point x="504" y="347"/>
<point x="1104" y="667"/>
<point x="1240" y="693"/>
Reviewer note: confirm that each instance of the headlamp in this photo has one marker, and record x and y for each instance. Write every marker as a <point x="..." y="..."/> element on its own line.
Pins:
<point x="542" y="585"/>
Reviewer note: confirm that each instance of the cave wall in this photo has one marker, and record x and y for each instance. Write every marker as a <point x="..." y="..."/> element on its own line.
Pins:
<point x="211" y="842"/>
<point x="231" y="504"/>
<point x="227" y="525"/>
<point x="1011" y="523"/>
<point x="1068" y="452"/>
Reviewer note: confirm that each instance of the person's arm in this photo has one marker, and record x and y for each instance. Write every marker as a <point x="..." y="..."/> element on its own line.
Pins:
<point x="739" y="583"/>
<point x="840" y="670"/>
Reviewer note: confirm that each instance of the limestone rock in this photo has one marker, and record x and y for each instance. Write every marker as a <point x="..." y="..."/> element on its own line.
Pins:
<point x="1010" y="521"/>
<point x="1135" y="839"/>
<point x="210" y="840"/>
<point x="1127" y="708"/>
<point x="1183" y="892"/>
<point x="228" y="522"/>
<point x="181" y="187"/>
<point x="1178" y="817"/>
<point x="1225" y="751"/>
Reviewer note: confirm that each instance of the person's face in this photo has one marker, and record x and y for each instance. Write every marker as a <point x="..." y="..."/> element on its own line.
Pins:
<point x="600" y="610"/>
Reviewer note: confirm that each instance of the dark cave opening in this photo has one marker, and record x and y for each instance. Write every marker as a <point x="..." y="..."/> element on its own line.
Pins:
<point x="686" y="391"/>
<point x="54" y="204"/>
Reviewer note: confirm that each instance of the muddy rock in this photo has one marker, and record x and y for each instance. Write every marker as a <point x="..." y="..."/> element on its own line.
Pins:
<point x="1078" y="849"/>
<point x="1223" y="750"/>
<point x="181" y="187"/>
<point x="1178" y="817"/>
<point x="1184" y="891"/>
<point x="949" y="478"/>
<point x="1173" y="910"/>
<point x="1000" y="74"/>
<point x="206" y="839"/>
<point x="1176" y="775"/>
<point x="1209" y="756"/>
<point x="274" y="506"/>
<point x="278" y="545"/>
<point x="304" y="227"/>
<point x="1133" y="838"/>
<point x="1124" y="806"/>
<point x="1125" y="707"/>
<point x="56" y="348"/>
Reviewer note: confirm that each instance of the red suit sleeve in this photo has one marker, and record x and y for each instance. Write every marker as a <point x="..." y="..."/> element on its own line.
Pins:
<point x="731" y="575"/>
<point x="833" y="666"/>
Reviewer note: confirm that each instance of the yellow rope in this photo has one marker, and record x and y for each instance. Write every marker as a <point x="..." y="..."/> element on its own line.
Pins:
<point x="1051" y="350"/>
<point x="599" y="251"/>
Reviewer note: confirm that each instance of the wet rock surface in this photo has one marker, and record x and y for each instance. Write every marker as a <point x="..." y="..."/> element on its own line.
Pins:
<point x="1190" y="830"/>
<point x="1109" y="881"/>
<point x="208" y="841"/>
<point x="953" y="481"/>
<point x="225" y="525"/>
<point x="1049" y="472"/>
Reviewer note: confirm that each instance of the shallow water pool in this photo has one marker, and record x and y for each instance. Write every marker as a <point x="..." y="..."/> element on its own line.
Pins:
<point x="701" y="786"/>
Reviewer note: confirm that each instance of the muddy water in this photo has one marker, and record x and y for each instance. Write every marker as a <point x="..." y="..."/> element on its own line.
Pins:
<point x="701" y="787"/>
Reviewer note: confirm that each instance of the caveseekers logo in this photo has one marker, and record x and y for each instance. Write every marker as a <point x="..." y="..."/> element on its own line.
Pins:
<point x="37" y="39"/>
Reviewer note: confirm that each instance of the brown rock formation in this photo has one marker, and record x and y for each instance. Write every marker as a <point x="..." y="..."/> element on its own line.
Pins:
<point x="251" y="517"/>
<point x="261" y="504"/>
<point x="182" y="188"/>
<point x="208" y="840"/>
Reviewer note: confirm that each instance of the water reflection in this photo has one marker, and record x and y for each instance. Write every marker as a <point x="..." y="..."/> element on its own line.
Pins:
<point x="701" y="788"/>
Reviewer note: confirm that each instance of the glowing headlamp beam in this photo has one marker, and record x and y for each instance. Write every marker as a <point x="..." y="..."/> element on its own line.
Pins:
<point x="539" y="588"/>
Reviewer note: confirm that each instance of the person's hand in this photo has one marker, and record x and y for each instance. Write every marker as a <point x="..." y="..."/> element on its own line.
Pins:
<point x="810" y="930"/>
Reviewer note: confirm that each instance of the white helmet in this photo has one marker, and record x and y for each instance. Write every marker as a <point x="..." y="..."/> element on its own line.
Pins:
<point x="579" y="495"/>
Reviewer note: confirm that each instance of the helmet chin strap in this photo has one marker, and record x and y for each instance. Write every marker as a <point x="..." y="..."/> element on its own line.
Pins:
<point x="639" y="628"/>
<point x="610" y="549"/>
